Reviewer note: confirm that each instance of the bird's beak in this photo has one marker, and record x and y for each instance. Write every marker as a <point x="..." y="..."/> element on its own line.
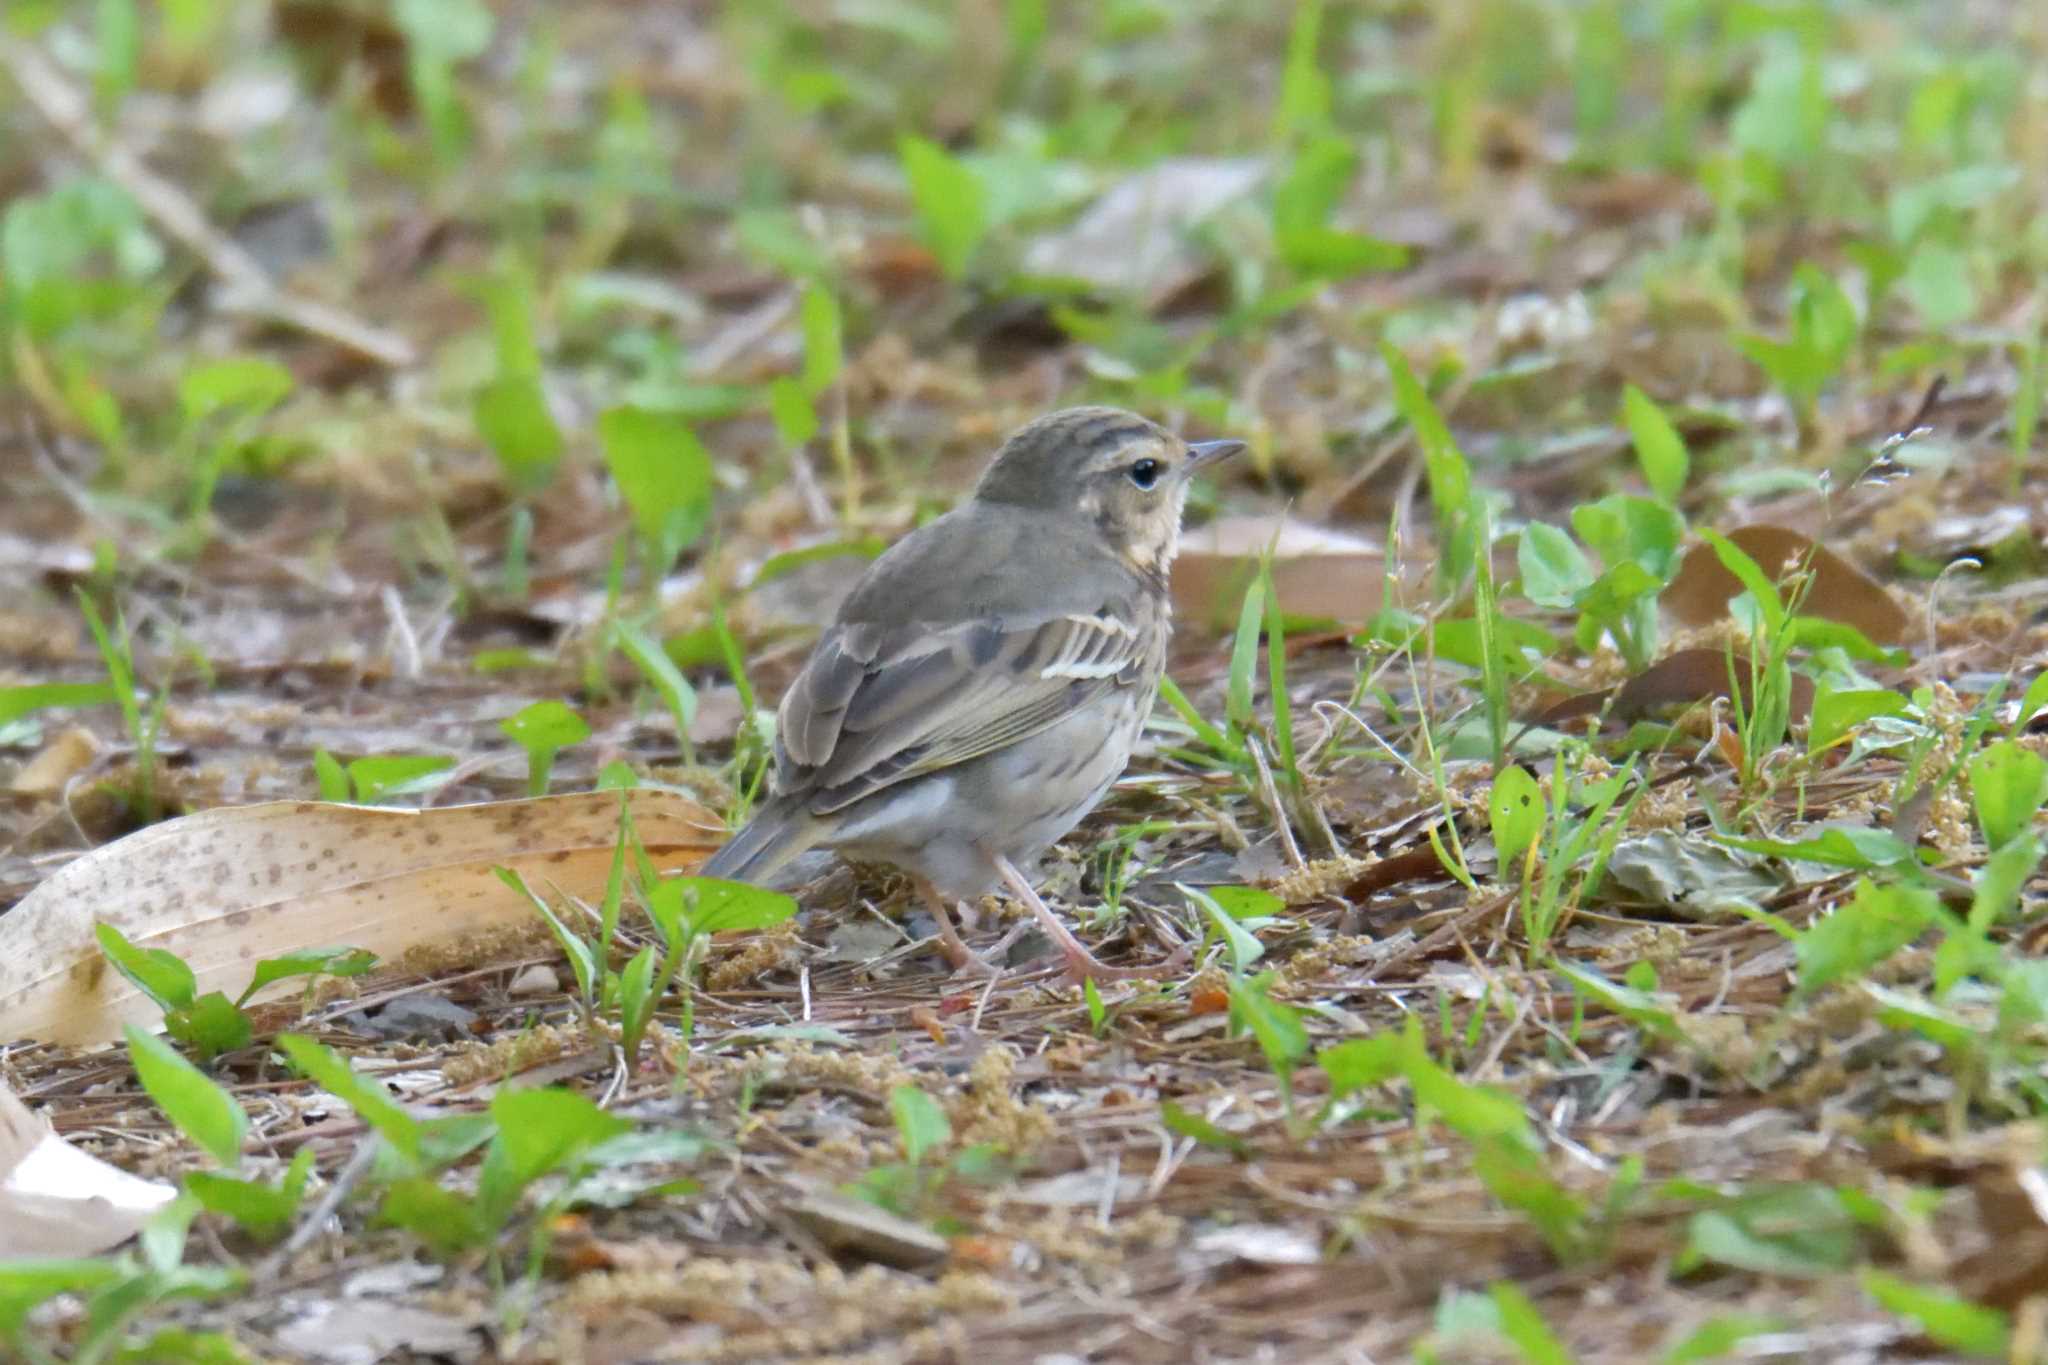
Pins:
<point x="1204" y="453"/>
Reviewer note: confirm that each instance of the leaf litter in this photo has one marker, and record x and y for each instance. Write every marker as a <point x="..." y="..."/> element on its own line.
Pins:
<point x="1667" y="1127"/>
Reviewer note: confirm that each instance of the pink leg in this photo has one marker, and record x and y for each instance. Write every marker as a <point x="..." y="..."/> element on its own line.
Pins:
<point x="957" y="952"/>
<point x="1081" y="963"/>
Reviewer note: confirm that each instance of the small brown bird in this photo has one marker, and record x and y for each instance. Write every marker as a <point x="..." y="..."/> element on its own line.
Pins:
<point x="985" y="681"/>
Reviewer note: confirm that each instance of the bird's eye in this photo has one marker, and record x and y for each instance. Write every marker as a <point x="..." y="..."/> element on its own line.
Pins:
<point x="1145" y="473"/>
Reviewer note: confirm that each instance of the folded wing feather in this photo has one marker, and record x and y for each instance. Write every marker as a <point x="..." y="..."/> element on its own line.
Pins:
<point x="878" y="705"/>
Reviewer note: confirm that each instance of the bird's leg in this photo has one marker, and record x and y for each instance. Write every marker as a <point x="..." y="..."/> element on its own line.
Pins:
<point x="1081" y="964"/>
<point x="957" y="952"/>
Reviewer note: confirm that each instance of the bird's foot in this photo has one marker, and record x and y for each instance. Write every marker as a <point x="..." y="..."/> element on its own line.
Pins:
<point x="1081" y="964"/>
<point x="962" y="957"/>
<point x="1084" y="966"/>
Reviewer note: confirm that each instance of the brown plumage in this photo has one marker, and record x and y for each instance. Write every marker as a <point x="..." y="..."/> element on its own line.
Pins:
<point x="983" y="684"/>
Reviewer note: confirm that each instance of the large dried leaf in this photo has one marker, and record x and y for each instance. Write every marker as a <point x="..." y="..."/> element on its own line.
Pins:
<point x="57" y="1201"/>
<point x="1318" y="572"/>
<point x="226" y="887"/>
<point x="1698" y="595"/>
<point x="1135" y="238"/>
<point x="1679" y="679"/>
<point x="1689" y="876"/>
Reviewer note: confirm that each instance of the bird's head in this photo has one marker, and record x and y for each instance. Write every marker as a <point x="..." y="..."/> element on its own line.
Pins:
<point x="1125" y="475"/>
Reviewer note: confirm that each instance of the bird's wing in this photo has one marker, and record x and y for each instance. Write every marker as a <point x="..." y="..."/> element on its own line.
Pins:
<point x="879" y="704"/>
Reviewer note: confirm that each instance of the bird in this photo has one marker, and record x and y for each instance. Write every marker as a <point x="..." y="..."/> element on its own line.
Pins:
<point x="983" y="684"/>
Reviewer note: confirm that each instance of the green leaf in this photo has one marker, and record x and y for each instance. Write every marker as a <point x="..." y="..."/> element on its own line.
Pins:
<point x="636" y="998"/>
<point x="1838" y="711"/>
<point x="1098" y="1013"/>
<point x="1852" y="846"/>
<point x="209" y="1025"/>
<point x="1474" y="1112"/>
<point x="920" y="1122"/>
<point x="1244" y="946"/>
<point x="1907" y="1010"/>
<point x="2008" y="784"/>
<point x="1462" y="640"/>
<point x="1303" y="203"/>
<point x="1275" y="1025"/>
<point x="664" y="474"/>
<point x="1315" y="183"/>
<point x="719" y="906"/>
<point x="257" y="1205"/>
<point x="582" y="958"/>
<point x="796" y="418"/>
<point x="1997" y="885"/>
<point x="1659" y="448"/>
<point x="1615" y="591"/>
<point x="1719" y="1336"/>
<point x="330" y="775"/>
<point x="1737" y="561"/>
<point x="117" y="38"/>
<point x="775" y="566"/>
<point x="156" y="972"/>
<point x="1516" y="809"/>
<point x="444" y="1220"/>
<point x="342" y="962"/>
<point x="445" y="30"/>
<point x="2023" y="996"/>
<point x="26" y="1284"/>
<point x="1329" y="254"/>
<point x="1949" y="1319"/>
<point x="2031" y="704"/>
<point x="824" y="348"/>
<point x="543" y="729"/>
<point x="1357" y="1063"/>
<point x="1554" y="569"/>
<point x="16" y="702"/>
<point x="179" y="1346"/>
<point x="951" y="202"/>
<point x="512" y="415"/>
<point x="1523" y="1325"/>
<point x="1823" y="317"/>
<point x="1244" y="659"/>
<point x="777" y="238"/>
<point x="369" y="1099"/>
<point x="1636" y="1004"/>
<point x="246" y="384"/>
<point x="199" y="1108"/>
<point x="661" y="672"/>
<point x="1305" y="96"/>
<point x="540" y="1131"/>
<point x="1247" y="902"/>
<point x="1189" y="1124"/>
<point x="1937" y="282"/>
<point x="1450" y="477"/>
<point x="1798" y="1231"/>
<point x="380" y="776"/>
<point x="1877" y="922"/>
<point x="1622" y="528"/>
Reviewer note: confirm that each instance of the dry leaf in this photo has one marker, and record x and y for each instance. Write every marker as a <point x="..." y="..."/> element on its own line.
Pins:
<point x="57" y="1201"/>
<point x="67" y="755"/>
<point x="1262" y="1244"/>
<point x="227" y="887"/>
<point x="1699" y="595"/>
<point x="1135" y="237"/>
<point x="1681" y="678"/>
<point x="1317" y="572"/>
<point x="365" y="1331"/>
<point x="1687" y="875"/>
<point x="855" y="1227"/>
<point x="2012" y="1203"/>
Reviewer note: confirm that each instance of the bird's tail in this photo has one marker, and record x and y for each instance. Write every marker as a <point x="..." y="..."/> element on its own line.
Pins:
<point x="778" y="832"/>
